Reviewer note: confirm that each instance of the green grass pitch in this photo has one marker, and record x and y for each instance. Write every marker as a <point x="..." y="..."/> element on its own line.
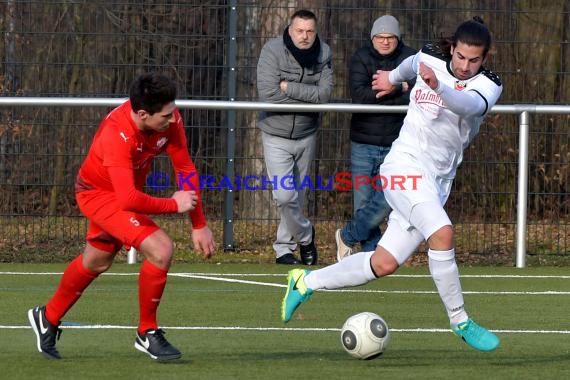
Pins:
<point x="225" y="320"/>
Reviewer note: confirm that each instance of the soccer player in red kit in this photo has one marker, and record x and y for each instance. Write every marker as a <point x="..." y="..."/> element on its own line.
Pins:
<point x="109" y="193"/>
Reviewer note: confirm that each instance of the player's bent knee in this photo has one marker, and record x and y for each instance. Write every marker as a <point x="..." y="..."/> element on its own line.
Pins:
<point x="162" y="261"/>
<point x="160" y="256"/>
<point x="442" y="239"/>
<point x="385" y="269"/>
<point x="158" y="249"/>
<point x="383" y="263"/>
<point x="97" y="260"/>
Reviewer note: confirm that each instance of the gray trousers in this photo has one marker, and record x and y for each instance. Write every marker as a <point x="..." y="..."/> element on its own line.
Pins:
<point x="287" y="161"/>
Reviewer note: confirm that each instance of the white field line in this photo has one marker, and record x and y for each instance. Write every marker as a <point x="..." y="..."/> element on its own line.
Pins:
<point x="224" y="277"/>
<point x="302" y="329"/>
<point x="566" y="277"/>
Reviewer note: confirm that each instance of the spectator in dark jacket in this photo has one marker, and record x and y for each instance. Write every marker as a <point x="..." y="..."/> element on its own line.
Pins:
<point x="372" y="134"/>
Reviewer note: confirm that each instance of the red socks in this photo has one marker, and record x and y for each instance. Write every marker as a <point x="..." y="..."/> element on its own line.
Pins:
<point x="152" y="281"/>
<point x="77" y="278"/>
<point x="74" y="281"/>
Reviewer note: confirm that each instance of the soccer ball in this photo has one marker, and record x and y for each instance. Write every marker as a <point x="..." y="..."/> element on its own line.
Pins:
<point x="365" y="335"/>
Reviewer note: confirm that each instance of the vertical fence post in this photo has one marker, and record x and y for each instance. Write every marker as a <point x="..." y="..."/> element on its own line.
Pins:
<point x="231" y="119"/>
<point x="522" y="196"/>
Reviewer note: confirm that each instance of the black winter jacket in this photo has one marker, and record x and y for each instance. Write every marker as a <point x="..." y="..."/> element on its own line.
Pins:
<point x="379" y="129"/>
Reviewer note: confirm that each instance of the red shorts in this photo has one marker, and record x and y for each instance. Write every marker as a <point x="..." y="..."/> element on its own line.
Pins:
<point x="110" y="227"/>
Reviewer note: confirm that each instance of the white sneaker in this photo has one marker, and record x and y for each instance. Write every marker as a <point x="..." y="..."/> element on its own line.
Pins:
<point x="342" y="250"/>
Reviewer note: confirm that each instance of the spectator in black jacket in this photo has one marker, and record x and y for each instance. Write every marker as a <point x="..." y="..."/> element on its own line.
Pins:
<point x="372" y="134"/>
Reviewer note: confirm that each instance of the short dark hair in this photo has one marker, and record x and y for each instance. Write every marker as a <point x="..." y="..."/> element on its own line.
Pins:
<point x="304" y="14"/>
<point x="151" y="92"/>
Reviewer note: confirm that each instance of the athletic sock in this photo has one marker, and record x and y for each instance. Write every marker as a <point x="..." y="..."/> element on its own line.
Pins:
<point x="445" y="274"/>
<point x="76" y="278"/>
<point x="152" y="281"/>
<point x="353" y="270"/>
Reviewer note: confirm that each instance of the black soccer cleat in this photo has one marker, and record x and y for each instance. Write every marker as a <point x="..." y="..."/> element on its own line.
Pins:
<point x="287" y="259"/>
<point x="46" y="333"/>
<point x="156" y="346"/>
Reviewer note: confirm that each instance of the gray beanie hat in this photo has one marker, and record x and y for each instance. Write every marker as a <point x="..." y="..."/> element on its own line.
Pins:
<point x="386" y="24"/>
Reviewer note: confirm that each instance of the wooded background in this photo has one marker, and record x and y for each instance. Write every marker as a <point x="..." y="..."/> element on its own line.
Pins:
<point x="95" y="48"/>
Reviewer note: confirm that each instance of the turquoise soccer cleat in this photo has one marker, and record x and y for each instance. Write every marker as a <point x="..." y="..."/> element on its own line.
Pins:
<point x="297" y="293"/>
<point x="476" y="336"/>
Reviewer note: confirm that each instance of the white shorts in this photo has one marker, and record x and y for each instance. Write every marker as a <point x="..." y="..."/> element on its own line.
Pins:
<point x="417" y="197"/>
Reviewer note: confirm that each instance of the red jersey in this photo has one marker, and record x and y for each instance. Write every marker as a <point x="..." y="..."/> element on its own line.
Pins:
<point x="120" y="159"/>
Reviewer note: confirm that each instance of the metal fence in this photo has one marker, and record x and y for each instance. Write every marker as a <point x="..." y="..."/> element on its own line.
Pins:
<point x="55" y="49"/>
<point x="229" y="189"/>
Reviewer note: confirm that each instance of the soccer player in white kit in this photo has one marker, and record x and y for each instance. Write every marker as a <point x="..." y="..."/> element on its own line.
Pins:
<point x="452" y="95"/>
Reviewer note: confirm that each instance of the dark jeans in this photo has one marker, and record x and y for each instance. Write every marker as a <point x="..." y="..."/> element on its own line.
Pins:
<point x="369" y="204"/>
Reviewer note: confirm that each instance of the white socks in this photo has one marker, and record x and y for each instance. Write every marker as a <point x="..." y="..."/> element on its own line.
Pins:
<point x="352" y="271"/>
<point x="445" y="274"/>
<point x="356" y="270"/>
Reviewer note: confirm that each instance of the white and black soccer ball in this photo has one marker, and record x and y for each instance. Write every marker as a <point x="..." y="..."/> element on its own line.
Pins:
<point x="365" y="335"/>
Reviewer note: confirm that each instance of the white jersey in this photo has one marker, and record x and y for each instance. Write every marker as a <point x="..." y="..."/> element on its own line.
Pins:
<point x="432" y="132"/>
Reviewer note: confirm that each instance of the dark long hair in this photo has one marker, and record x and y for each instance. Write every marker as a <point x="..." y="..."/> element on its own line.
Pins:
<point x="472" y="32"/>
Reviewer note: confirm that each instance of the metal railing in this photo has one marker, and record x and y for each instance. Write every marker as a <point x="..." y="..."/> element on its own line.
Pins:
<point x="523" y="110"/>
